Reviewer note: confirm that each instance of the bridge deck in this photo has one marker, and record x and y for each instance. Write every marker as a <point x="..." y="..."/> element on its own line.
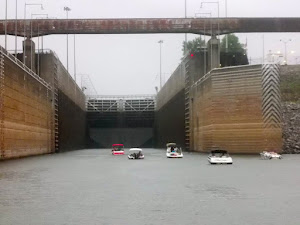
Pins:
<point x="150" y="25"/>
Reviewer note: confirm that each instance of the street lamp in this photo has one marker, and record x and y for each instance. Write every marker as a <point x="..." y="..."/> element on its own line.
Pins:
<point x="185" y="15"/>
<point x="204" y="53"/>
<point x="67" y="9"/>
<point x="38" y="61"/>
<point x="75" y="58"/>
<point x="160" y="43"/>
<point x="5" y="27"/>
<point x="285" y="49"/>
<point x="263" y="49"/>
<point x="31" y="50"/>
<point x="25" y="7"/>
<point x="201" y="6"/>
<point x="226" y="34"/>
<point x="16" y="30"/>
<point x="42" y="37"/>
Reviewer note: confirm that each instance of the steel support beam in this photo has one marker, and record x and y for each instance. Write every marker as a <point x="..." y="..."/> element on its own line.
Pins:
<point x="143" y="26"/>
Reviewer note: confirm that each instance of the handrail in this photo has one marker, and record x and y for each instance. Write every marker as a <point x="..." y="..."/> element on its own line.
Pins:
<point x="48" y="51"/>
<point x="25" y="68"/>
<point x="133" y="97"/>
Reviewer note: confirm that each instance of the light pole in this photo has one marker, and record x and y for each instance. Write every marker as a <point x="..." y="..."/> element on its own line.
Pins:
<point x="204" y="53"/>
<point x="42" y="38"/>
<point x="285" y="49"/>
<point x="263" y="56"/>
<point x="201" y="6"/>
<point x="5" y="24"/>
<point x="67" y="9"/>
<point x="226" y="17"/>
<point x="75" y="58"/>
<point x="160" y="82"/>
<point x="38" y="61"/>
<point x="31" y="50"/>
<point x="185" y="15"/>
<point x="16" y="29"/>
<point x="30" y="4"/>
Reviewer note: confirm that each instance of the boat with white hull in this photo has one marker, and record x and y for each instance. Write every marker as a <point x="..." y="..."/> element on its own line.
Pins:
<point x="219" y="157"/>
<point x="270" y="155"/>
<point x="136" y="153"/>
<point x="173" y="151"/>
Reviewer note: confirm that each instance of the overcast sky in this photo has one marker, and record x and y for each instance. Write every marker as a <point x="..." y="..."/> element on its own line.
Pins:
<point x="129" y="64"/>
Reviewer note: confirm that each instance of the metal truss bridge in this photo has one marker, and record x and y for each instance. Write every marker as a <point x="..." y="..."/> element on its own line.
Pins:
<point x="207" y="26"/>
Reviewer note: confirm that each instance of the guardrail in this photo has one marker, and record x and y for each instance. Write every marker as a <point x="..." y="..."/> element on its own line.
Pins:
<point x="44" y="51"/>
<point x="125" y="97"/>
<point x="25" y="68"/>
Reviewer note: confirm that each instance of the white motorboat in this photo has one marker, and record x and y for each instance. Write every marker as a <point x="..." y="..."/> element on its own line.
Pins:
<point x="173" y="151"/>
<point x="219" y="157"/>
<point x="135" y="153"/>
<point x="270" y="155"/>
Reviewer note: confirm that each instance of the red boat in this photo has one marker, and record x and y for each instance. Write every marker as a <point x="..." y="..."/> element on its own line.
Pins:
<point x="117" y="149"/>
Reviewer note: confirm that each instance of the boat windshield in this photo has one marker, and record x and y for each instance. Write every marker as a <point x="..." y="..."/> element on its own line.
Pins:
<point x="219" y="154"/>
<point x="136" y="154"/>
<point x="118" y="148"/>
<point x="175" y="149"/>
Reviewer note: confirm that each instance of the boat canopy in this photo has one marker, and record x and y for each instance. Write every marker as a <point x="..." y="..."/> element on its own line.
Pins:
<point x="135" y="150"/>
<point x="116" y="145"/>
<point x="171" y="145"/>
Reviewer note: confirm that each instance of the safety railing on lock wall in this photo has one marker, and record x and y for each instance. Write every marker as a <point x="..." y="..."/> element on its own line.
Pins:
<point x="24" y="67"/>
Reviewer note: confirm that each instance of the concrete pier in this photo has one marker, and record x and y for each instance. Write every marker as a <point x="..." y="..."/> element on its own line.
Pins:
<point x="213" y="49"/>
<point x="30" y="57"/>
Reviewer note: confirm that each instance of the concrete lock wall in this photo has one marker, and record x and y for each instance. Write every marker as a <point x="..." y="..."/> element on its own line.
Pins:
<point x="169" y="122"/>
<point x="72" y="125"/>
<point x="26" y="112"/>
<point x="237" y="109"/>
<point x="169" y="117"/>
<point x="172" y="87"/>
<point x="171" y="100"/>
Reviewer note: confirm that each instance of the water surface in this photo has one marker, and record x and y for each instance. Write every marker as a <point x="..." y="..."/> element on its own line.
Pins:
<point x="94" y="187"/>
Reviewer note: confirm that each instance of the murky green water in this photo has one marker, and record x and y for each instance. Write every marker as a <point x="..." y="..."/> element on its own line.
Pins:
<point x="94" y="187"/>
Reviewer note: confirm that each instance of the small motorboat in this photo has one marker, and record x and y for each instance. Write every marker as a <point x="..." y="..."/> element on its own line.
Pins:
<point x="219" y="157"/>
<point x="173" y="151"/>
<point x="135" y="153"/>
<point x="270" y="155"/>
<point x="117" y="149"/>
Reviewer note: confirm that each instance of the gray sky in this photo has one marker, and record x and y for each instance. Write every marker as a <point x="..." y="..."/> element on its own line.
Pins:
<point x="129" y="64"/>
